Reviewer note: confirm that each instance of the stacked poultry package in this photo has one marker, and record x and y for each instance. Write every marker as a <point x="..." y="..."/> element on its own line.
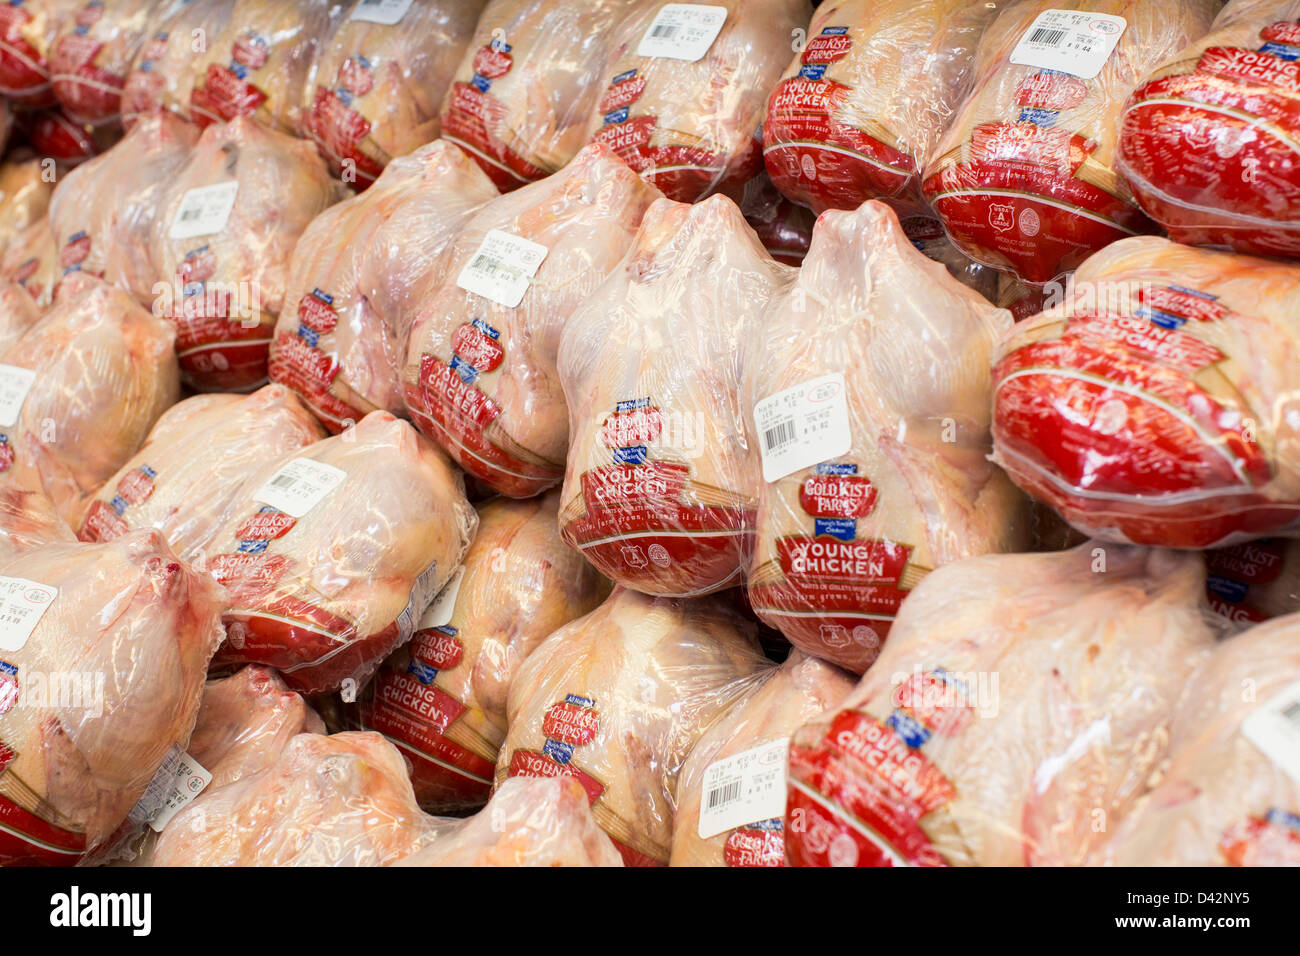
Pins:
<point x="92" y="54"/>
<point x="159" y="77"/>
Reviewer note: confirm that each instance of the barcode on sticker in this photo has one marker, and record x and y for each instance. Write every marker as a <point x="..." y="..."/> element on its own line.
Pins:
<point x="22" y="604"/>
<point x="15" y="383"/>
<point x="777" y="438"/>
<point x="682" y="31"/>
<point x="1048" y="37"/>
<point x="1076" y="42"/>
<point x="743" y="789"/>
<point x="300" y="485"/>
<point x="727" y="793"/>
<point x="1274" y="728"/>
<point x="503" y="268"/>
<point x="178" y="781"/>
<point x="384" y="12"/>
<point x="204" y="210"/>
<point x="803" y="426"/>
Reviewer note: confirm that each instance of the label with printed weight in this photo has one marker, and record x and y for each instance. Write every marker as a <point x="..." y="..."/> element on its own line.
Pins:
<point x="743" y="789"/>
<point x="440" y="611"/>
<point x="503" y="268"/>
<point x="204" y="211"/>
<point x="178" y="781"/>
<point x="22" y="603"/>
<point x="1275" y="730"/>
<point x="682" y="31"/>
<point x="1069" y="41"/>
<point x="15" y="383"/>
<point x="300" y="485"/>
<point x="383" y="12"/>
<point x="803" y="426"/>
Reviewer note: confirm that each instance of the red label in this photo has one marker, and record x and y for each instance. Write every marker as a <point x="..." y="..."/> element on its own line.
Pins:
<point x="317" y="315"/>
<point x="754" y="847"/>
<point x="222" y="96"/>
<point x="530" y="763"/>
<point x="622" y="94"/>
<point x="437" y="649"/>
<point x="490" y="63"/>
<point x="1288" y="32"/>
<point x="1171" y="347"/>
<point x="101" y="523"/>
<point x="1183" y="304"/>
<point x="6" y="756"/>
<point x="432" y="705"/>
<point x="1261" y="842"/>
<point x="74" y="252"/>
<point x="251" y="50"/>
<point x="90" y="14"/>
<point x="136" y="486"/>
<point x="1259" y="562"/>
<point x="313" y="368"/>
<point x="479" y="350"/>
<point x="1051" y="91"/>
<point x="938" y="701"/>
<point x="571" y="723"/>
<point x="6" y="456"/>
<point x="265" y="526"/>
<point x="837" y="496"/>
<point x="441" y="382"/>
<point x="355" y="77"/>
<point x="826" y="557"/>
<point x="8" y="697"/>
<point x="639" y="426"/>
<point x="249" y="573"/>
<point x="616" y="485"/>
<point x="198" y="266"/>
<point x="827" y="48"/>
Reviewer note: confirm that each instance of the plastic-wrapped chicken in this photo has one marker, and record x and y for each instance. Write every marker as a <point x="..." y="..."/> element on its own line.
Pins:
<point x="528" y="823"/>
<point x="28" y="519"/>
<point x="524" y="91"/>
<point x="191" y="472"/>
<point x="926" y="233"/>
<point x="25" y="191"/>
<point x="28" y="29"/>
<point x="54" y="136"/>
<point x="357" y="276"/>
<point x="341" y="800"/>
<point x="687" y="84"/>
<point x="223" y="238"/>
<point x="442" y="697"/>
<point x="1024" y="179"/>
<point x="1208" y="141"/>
<point x="379" y="82"/>
<point x="92" y="53"/>
<point x="661" y="484"/>
<point x="1231" y="792"/>
<point x="617" y="699"/>
<point x="869" y="389"/>
<point x="337" y="551"/>
<point x="731" y="795"/>
<point x="160" y="77"/>
<point x="1255" y="581"/>
<point x="1158" y="403"/>
<point x="99" y="681"/>
<point x="103" y="213"/>
<point x="31" y="263"/>
<point x="862" y="107"/>
<point x="1015" y="715"/>
<point x="784" y="228"/>
<point x="82" y="389"/>
<point x="480" y="372"/>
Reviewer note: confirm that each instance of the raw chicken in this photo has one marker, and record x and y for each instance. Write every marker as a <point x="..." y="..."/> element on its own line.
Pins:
<point x="28" y="29"/>
<point x="342" y="800"/>
<point x="379" y="82"/>
<point x="684" y="113"/>
<point x="662" y="482"/>
<point x="1253" y="582"/>
<point x="713" y="828"/>
<point x="442" y="697"/>
<point x="28" y="520"/>
<point x="25" y="189"/>
<point x="189" y="479"/>
<point x="90" y="379"/>
<point x="336" y="552"/>
<point x="1160" y="402"/>
<point x="224" y="252"/>
<point x="1015" y="715"/>
<point x="870" y="391"/>
<point x="357" y="276"/>
<point x="528" y="823"/>
<point x="784" y="228"/>
<point x="1024" y="179"/>
<point x="160" y="77"/>
<point x="480" y="371"/>
<point x="29" y="264"/>
<point x="101" y="683"/>
<point x="862" y="107"/>
<point x="1230" y="795"/>
<point x="92" y="53"/>
<point x="617" y="699"/>
<point x="1207" y="143"/>
<point x="526" y="87"/>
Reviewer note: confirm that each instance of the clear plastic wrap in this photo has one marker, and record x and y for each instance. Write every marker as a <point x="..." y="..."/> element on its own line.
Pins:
<point x="24" y="196"/>
<point x="867" y="389"/>
<point x="30" y="262"/>
<point x="785" y="228"/>
<point x="1016" y="713"/>
<point x="661" y="484"/>
<point x="191" y="472"/>
<point x="105" y="370"/>
<point x="380" y="79"/>
<point x="222" y="241"/>
<point x="524" y="92"/>
<point x="1158" y="403"/>
<point x="28" y="29"/>
<point x="1252" y="582"/>
<point x="861" y="109"/>
<point x="28" y="519"/>
<point x="720" y="824"/>
<point x="324" y="594"/>
<point x="617" y="699"/>
<point x="442" y="697"/>
<point x="357" y="276"/>
<point x="686" y="118"/>
<point x="1230" y="794"/>
<point x="104" y="681"/>
<point x="480" y="372"/>
<point x="1024" y="179"/>
<point x="90" y="57"/>
<point x="1208" y="141"/>
<point x="926" y="233"/>
<point x="159" y="77"/>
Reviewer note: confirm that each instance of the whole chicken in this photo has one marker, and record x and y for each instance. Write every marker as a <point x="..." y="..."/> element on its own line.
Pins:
<point x="617" y="699"/>
<point x="378" y="84"/>
<point x="442" y="697"/>
<point x="869" y="389"/>
<point x="1015" y="715"/>
<point x="92" y="53"/>
<point x="333" y="552"/>
<point x="189" y="478"/>
<point x="159" y="77"/>
<point x="104" y="654"/>
<point x="661" y="484"/>
<point x="28" y="29"/>
<point x="480" y="372"/>
<point x="357" y="276"/>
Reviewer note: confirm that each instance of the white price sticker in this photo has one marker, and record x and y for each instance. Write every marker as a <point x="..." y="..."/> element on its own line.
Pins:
<point x="22" y="604"/>
<point x="384" y="12"/>
<point x="746" y="788"/>
<point x="15" y="383"/>
<point x="300" y="485"/>
<point x="1076" y="42"/>
<point x="178" y="781"/>
<point x="440" y="611"/>
<point x="1275" y="729"/>
<point x="503" y="268"/>
<point x="204" y="210"/>
<point x="682" y="31"/>
<point x="803" y="426"/>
